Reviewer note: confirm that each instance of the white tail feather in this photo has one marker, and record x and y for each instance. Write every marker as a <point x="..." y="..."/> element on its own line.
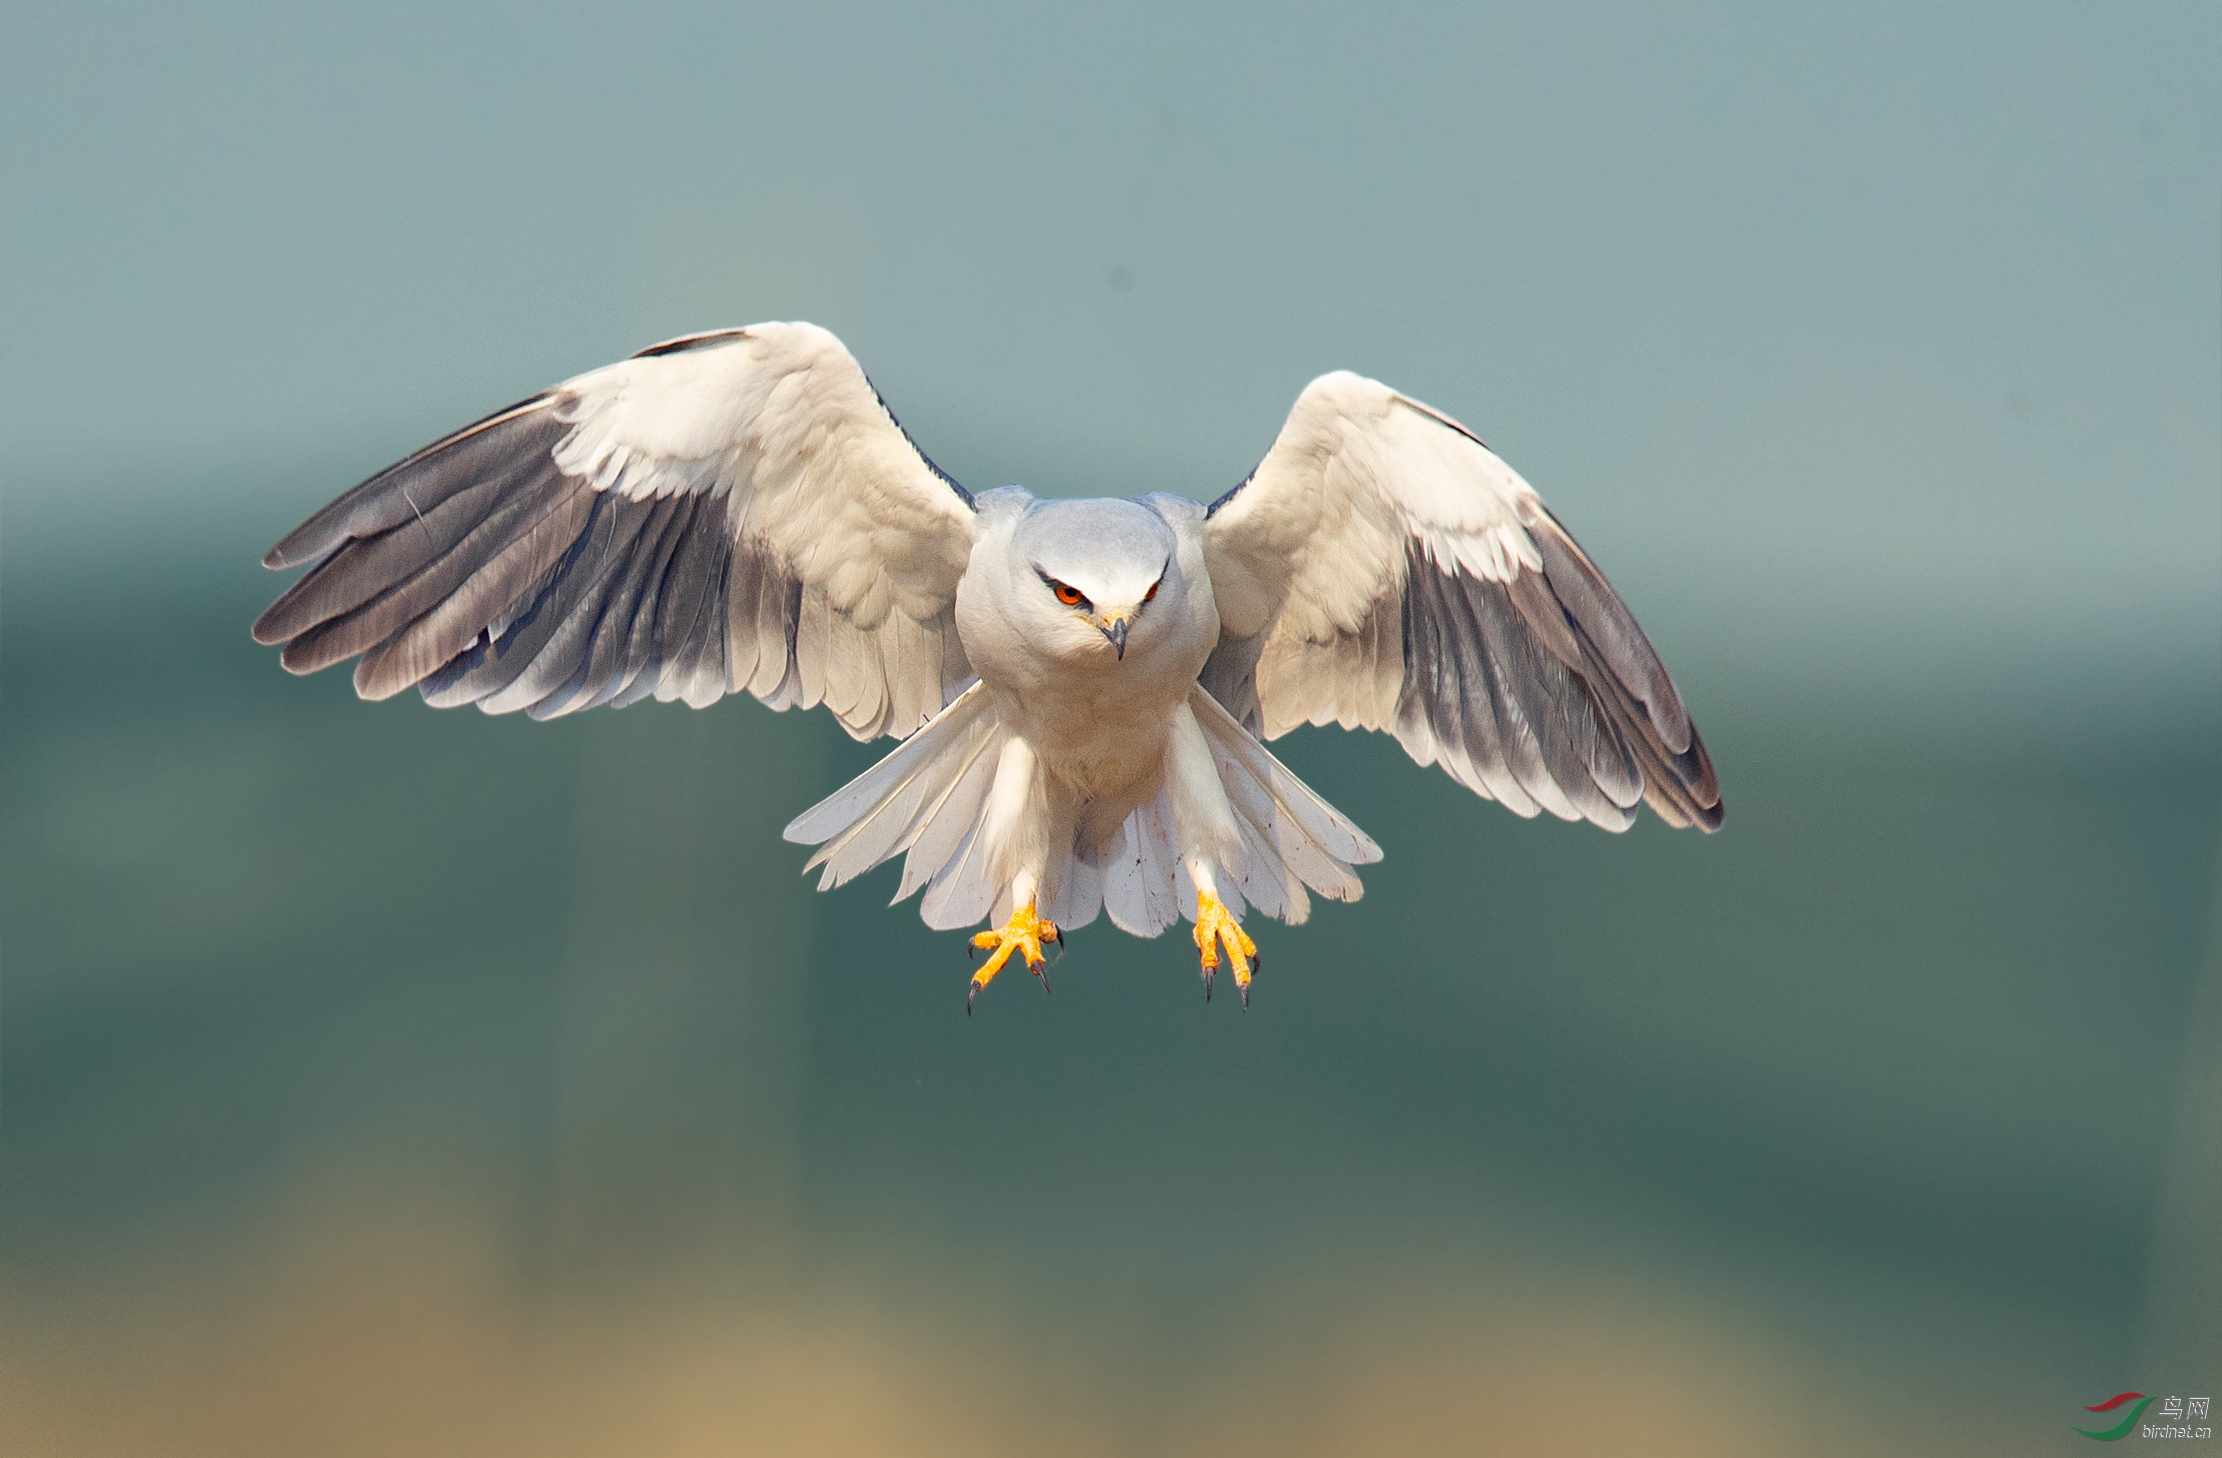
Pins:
<point x="960" y="892"/>
<point x="929" y="801"/>
<point x="951" y="819"/>
<point x="924" y="798"/>
<point x="1079" y="894"/>
<point x="1328" y="828"/>
<point x="1138" y="871"/>
<point x="841" y="809"/>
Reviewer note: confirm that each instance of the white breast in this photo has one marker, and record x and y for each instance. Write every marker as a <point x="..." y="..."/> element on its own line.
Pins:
<point x="1096" y="721"/>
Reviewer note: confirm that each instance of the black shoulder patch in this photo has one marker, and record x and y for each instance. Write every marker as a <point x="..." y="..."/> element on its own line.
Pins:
<point x="1213" y="509"/>
<point x="946" y="479"/>
<point x="686" y="342"/>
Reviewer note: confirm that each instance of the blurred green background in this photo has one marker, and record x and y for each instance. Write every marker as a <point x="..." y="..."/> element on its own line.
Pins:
<point x="382" y="1081"/>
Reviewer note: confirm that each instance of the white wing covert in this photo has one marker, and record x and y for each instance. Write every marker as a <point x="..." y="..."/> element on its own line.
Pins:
<point x="734" y="510"/>
<point x="1383" y="569"/>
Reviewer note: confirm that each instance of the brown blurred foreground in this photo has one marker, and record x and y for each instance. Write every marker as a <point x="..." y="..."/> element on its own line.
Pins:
<point x="358" y="1325"/>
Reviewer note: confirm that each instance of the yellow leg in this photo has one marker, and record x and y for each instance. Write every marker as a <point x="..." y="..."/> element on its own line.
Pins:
<point x="1215" y="926"/>
<point x="1023" y="933"/>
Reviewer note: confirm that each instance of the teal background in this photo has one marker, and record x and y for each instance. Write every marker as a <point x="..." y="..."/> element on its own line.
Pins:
<point x="378" y="1080"/>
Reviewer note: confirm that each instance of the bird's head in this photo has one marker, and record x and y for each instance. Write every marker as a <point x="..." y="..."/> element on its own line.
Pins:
<point x="1098" y="567"/>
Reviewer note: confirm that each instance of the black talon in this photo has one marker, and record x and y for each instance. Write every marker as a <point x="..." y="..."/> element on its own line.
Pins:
<point x="969" y="949"/>
<point x="1207" y="984"/>
<point x="1041" y="975"/>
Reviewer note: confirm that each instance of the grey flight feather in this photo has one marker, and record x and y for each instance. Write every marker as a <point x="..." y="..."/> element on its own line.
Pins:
<point x="1453" y="611"/>
<point x="580" y="548"/>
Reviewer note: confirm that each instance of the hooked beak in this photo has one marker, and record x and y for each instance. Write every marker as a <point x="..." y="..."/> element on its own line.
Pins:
<point x="1115" y="630"/>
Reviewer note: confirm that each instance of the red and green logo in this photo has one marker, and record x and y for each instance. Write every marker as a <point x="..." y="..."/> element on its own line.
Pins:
<point x="2121" y="1429"/>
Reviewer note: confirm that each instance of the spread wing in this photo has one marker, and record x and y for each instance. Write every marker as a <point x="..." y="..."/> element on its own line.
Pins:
<point x="725" y="511"/>
<point x="1382" y="569"/>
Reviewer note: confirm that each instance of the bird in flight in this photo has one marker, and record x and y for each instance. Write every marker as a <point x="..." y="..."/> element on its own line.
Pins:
<point x="1082" y="689"/>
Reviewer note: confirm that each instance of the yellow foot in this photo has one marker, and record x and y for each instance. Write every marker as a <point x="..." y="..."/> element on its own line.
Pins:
<point x="1215" y="926"/>
<point x="1023" y="933"/>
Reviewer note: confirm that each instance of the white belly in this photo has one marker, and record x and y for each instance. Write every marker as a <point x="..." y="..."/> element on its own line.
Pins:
<point x="1097" y="728"/>
<point x="1096" y="722"/>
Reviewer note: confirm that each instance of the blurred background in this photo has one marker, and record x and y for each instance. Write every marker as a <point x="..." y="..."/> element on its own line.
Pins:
<point x="375" y="1080"/>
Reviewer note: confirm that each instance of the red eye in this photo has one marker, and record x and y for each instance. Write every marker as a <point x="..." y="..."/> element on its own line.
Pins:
<point x="1151" y="593"/>
<point x="1067" y="594"/>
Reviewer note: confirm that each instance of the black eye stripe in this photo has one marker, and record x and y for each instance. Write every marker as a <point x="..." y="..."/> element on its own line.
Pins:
<point x="1058" y="590"/>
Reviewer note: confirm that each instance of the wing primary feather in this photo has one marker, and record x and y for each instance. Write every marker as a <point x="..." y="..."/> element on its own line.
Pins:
<point x="1592" y="604"/>
<point x="545" y="548"/>
<point x="696" y="673"/>
<point x="743" y="597"/>
<point x="567" y="661"/>
<point x="625" y="647"/>
<point x="609" y="589"/>
<point x="710" y="657"/>
<point x="1455" y="689"/>
<point x="1556" y="774"/>
<point x="362" y="569"/>
<point x="430" y="476"/>
<point x="1517" y="756"/>
<point x="511" y="651"/>
<point x="789" y="622"/>
<point x="679" y="605"/>
<point x="493" y="544"/>
<point x="1423" y="688"/>
<point x="1611" y="765"/>
<point x="543" y="655"/>
<point x="1681" y="787"/>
